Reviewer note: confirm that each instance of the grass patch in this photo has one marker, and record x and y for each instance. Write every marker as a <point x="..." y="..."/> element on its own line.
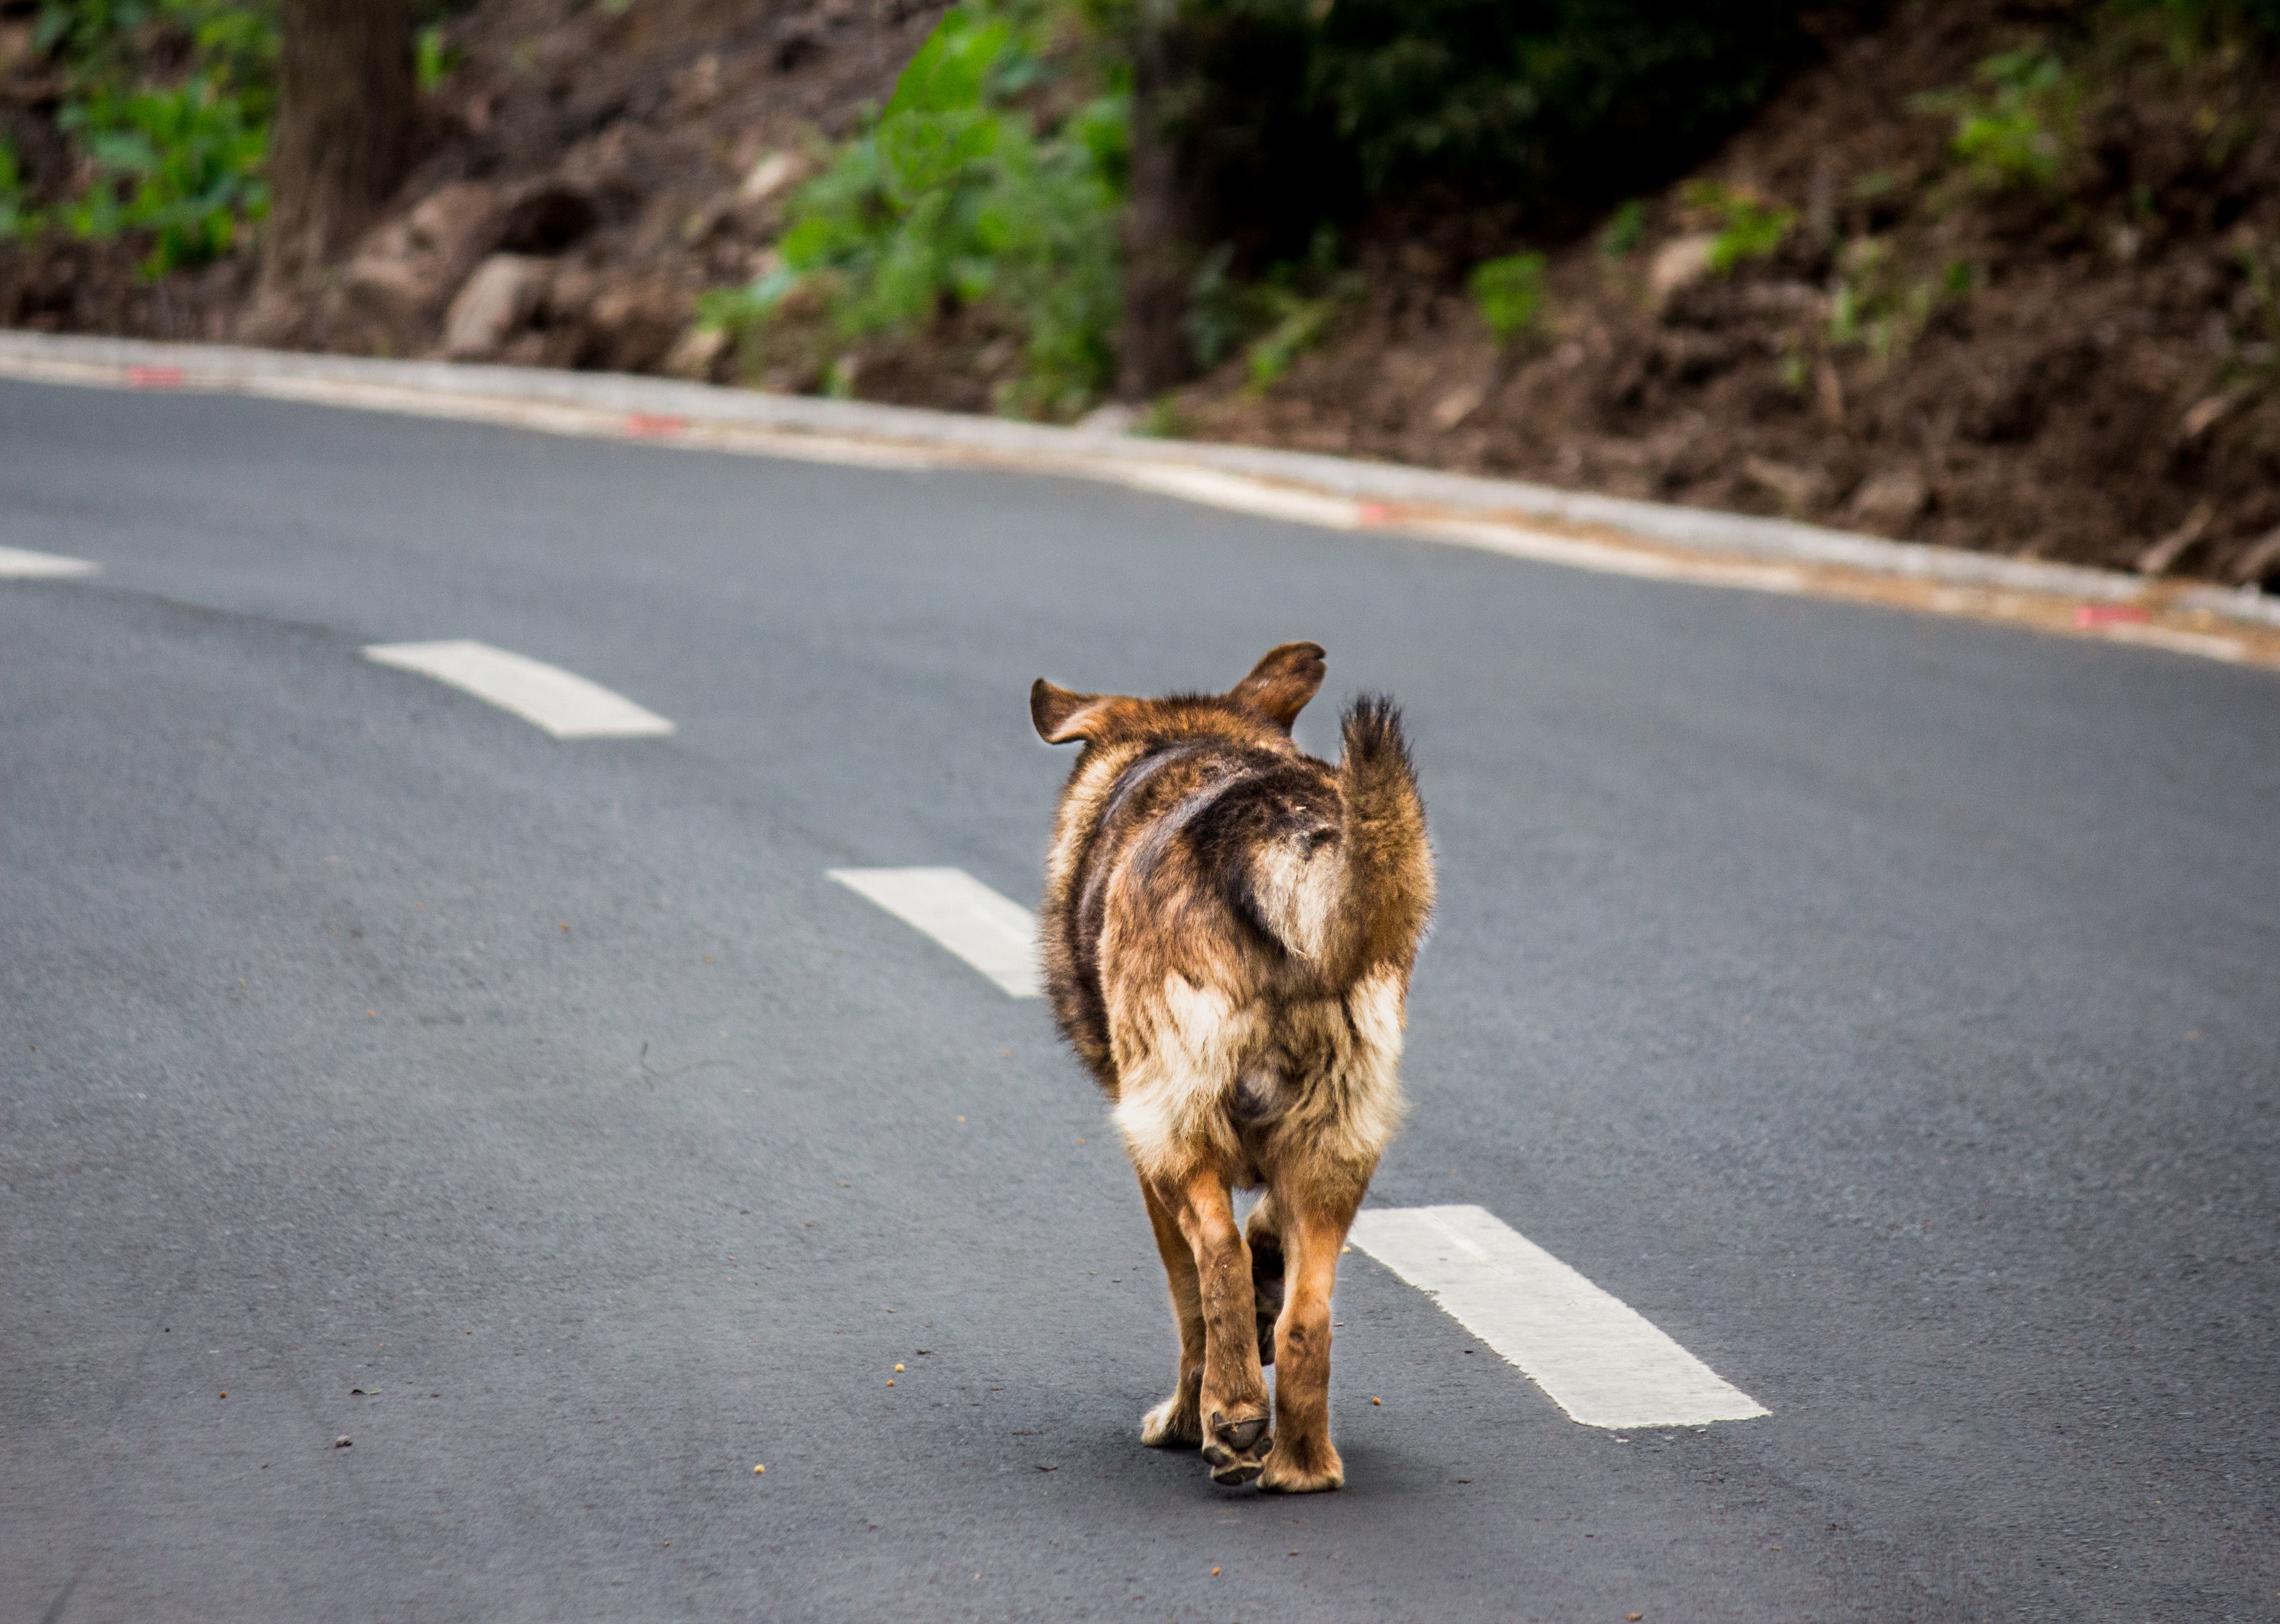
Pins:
<point x="1511" y="296"/>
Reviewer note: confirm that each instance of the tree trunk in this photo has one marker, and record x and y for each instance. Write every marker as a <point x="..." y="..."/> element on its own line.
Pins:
<point x="1165" y="207"/>
<point x="345" y="119"/>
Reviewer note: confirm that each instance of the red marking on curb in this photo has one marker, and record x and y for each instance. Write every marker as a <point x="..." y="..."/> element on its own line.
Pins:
<point x="154" y="377"/>
<point x="1373" y="513"/>
<point x="641" y="423"/>
<point x="2109" y="614"/>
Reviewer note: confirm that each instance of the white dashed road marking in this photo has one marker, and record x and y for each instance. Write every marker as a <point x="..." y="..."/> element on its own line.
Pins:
<point x="565" y="706"/>
<point x="1598" y="1359"/>
<point x="19" y="564"/>
<point x="994" y="933"/>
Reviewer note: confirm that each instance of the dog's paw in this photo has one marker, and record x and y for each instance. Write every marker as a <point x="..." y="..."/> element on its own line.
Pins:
<point x="1173" y="1424"/>
<point x="1237" y="1449"/>
<point x="1303" y="1471"/>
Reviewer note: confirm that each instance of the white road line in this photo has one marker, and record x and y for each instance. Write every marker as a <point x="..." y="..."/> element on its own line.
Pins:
<point x="565" y="706"/>
<point x="1598" y="1359"/>
<point x="994" y="933"/>
<point x="1238" y="494"/>
<point x="2179" y="643"/>
<point x="19" y="563"/>
<point x="1517" y="542"/>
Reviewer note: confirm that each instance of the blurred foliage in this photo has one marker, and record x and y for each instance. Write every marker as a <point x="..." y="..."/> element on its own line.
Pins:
<point x="1624" y="230"/>
<point x="16" y="217"/>
<point x="1554" y="103"/>
<point x="1510" y="295"/>
<point x="2015" y="125"/>
<point x="174" y="153"/>
<point x="1273" y="320"/>
<point x="1877" y="306"/>
<point x="1748" y="227"/>
<point x="434" y="59"/>
<point x="2198" y="23"/>
<point x="183" y="164"/>
<point x="954" y="196"/>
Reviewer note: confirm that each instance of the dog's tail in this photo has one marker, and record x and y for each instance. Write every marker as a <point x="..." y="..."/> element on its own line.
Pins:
<point x="1386" y="893"/>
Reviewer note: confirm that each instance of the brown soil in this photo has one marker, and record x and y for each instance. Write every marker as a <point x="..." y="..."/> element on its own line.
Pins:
<point x="2106" y="391"/>
<point x="616" y="158"/>
<point x="2082" y="371"/>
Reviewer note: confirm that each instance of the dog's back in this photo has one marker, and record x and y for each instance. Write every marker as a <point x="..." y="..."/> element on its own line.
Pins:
<point x="1229" y="923"/>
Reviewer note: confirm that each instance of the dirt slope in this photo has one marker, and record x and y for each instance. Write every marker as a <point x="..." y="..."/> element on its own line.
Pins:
<point x="2084" y="372"/>
<point x="616" y="156"/>
<point x="2083" y="367"/>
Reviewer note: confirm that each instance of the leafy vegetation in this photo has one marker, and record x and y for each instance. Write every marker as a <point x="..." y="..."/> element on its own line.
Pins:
<point x="181" y="161"/>
<point x="183" y="164"/>
<point x="16" y="218"/>
<point x="953" y="197"/>
<point x="1557" y="104"/>
<point x="2016" y="127"/>
<point x="1748" y="227"/>
<point x="1625" y="229"/>
<point x="1510" y="295"/>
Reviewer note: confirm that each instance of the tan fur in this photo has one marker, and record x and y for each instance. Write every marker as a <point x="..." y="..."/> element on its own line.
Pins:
<point x="1228" y="930"/>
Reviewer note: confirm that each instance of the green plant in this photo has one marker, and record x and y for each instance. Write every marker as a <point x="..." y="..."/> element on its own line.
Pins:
<point x="181" y="160"/>
<point x="1748" y="228"/>
<point x="2018" y="128"/>
<point x="1877" y="306"/>
<point x="1273" y="320"/>
<point x="184" y="165"/>
<point x="1278" y="349"/>
<point x="1510" y="295"/>
<point x="951" y="198"/>
<point x="1624" y="230"/>
<point x="18" y="218"/>
<point x="433" y="60"/>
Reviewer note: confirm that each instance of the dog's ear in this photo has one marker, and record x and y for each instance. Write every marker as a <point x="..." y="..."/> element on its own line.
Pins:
<point x="1279" y="685"/>
<point x="1062" y="716"/>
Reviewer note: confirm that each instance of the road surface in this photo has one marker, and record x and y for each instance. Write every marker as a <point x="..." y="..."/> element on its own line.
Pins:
<point x="1881" y="1007"/>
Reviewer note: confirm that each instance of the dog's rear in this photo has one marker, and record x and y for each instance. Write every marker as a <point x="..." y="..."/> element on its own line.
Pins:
<point x="1228" y="931"/>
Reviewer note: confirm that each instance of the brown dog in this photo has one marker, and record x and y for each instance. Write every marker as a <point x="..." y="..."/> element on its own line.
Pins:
<point x="1228" y="930"/>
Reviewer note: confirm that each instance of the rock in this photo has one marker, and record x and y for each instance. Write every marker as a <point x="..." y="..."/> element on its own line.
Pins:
<point x="1677" y="263"/>
<point x="1892" y="498"/>
<point x="1798" y="488"/>
<point x="455" y="222"/>
<point x="405" y="269"/>
<point x="1113" y="419"/>
<point x="1457" y="404"/>
<point x="498" y="298"/>
<point x="695" y="351"/>
<point x="397" y="291"/>
<point x="632" y="325"/>
<point x="769" y="176"/>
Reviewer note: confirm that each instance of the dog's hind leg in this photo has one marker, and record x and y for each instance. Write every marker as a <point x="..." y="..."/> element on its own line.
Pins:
<point x="1263" y="1232"/>
<point x="1175" y="1424"/>
<point x="1232" y="1403"/>
<point x="1314" y="1230"/>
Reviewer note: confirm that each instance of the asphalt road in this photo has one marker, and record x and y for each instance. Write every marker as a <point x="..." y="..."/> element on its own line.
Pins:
<point x="1884" y="1006"/>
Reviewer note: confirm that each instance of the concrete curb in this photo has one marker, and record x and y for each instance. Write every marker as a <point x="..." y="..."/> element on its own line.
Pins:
<point x="1690" y="543"/>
